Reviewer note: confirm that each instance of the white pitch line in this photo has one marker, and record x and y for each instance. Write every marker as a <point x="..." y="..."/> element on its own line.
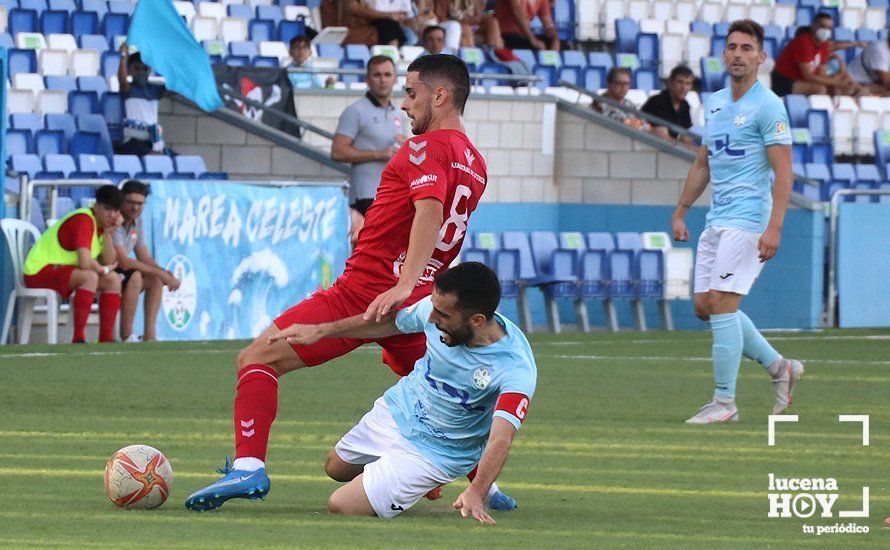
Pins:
<point x="705" y="359"/>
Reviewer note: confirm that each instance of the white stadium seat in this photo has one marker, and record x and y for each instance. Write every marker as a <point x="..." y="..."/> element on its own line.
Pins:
<point x="30" y="41"/>
<point x="185" y="9"/>
<point x="662" y="9"/>
<point x="761" y="13"/>
<point x="84" y="63"/>
<point x="232" y="29"/>
<point x="204" y="28"/>
<point x="784" y="15"/>
<point x="410" y="53"/>
<point x="52" y="62"/>
<point x="62" y="42"/>
<point x="710" y="12"/>
<point x="20" y="101"/>
<point x="875" y="18"/>
<point x="652" y="26"/>
<point x="697" y="46"/>
<point x="843" y="125"/>
<point x="588" y="17"/>
<point x="28" y="81"/>
<point x="671" y="52"/>
<point x="685" y="11"/>
<point x="275" y="49"/>
<point x="52" y="101"/>
<point x="212" y="9"/>
<point x="611" y="10"/>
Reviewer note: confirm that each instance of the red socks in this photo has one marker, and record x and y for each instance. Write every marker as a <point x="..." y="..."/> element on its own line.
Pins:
<point x="83" y="301"/>
<point x="109" y="304"/>
<point x="256" y="405"/>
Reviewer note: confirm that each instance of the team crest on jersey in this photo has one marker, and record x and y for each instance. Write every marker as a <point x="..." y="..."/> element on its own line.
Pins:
<point x="740" y="120"/>
<point x="481" y="378"/>
<point x="470" y="157"/>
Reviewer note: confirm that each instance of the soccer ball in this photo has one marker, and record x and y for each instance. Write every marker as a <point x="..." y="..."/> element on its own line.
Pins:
<point x="138" y="477"/>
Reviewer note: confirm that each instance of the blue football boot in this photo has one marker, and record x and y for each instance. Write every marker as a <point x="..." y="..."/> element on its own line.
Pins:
<point x="233" y="484"/>
<point x="502" y="502"/>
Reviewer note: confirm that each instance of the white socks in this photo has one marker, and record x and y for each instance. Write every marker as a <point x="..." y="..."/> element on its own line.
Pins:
<point x="248" y="464"/>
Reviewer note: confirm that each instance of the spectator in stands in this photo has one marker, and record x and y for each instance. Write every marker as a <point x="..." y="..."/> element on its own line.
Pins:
<point x="515" y="17"/>
<point x="671" y="104"/>
<point x="353" y="15"/>
<point x="142" y="133"/>
<point x="300" y="50"/>
<point x="617" y="85"/>
<point x="368" y="134"/>
<point x="468" y="24"/>
<point x="139" y="273"/>
<point x="77" y="255"/>
<point x="433" y="40"/>
<point x="391" y="19"/>
<point x="871" y="68"/>
<point x="803" y="65"/>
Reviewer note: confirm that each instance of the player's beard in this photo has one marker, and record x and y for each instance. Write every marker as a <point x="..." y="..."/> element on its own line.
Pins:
<point x="422" y="123"/>
<point x="456" y="337"/>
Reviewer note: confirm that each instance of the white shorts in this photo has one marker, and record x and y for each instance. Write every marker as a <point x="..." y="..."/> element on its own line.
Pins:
<point x="727" y="260"/>
<point x="396" y="475"/>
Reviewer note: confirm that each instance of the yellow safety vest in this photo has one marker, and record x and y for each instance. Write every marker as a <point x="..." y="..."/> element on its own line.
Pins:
<point x="47" y="250"/>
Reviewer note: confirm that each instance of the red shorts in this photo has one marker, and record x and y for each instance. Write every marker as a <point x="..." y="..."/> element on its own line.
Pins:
<point x="400" y="352"/>
<point x="54" y="277"/>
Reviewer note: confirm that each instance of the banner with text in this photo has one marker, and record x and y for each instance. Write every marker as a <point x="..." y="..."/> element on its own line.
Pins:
<point x="244" y="253"/>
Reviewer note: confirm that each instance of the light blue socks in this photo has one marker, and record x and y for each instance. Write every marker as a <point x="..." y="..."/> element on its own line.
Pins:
<point x="726" y="353"/>
<point x="755" y="345"/>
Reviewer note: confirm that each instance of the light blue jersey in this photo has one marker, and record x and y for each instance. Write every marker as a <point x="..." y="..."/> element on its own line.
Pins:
<point x="446" y="405"/>
<point x="737" y="135"/>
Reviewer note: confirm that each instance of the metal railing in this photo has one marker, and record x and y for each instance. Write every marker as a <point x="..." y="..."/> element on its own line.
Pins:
<point x="474" y="77"/>
<point x="831" y="307"/>
<point x="27" y="187"/>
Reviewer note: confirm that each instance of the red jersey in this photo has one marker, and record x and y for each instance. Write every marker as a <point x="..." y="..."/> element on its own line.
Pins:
<point x="77" y="232"/>
<point x="503" y="12"/>
<point x="442" y="164"/>
<point x="801" y="49"/>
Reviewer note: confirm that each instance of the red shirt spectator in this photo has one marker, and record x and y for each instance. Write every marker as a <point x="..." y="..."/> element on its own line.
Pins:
<point x="517" y="34"/>
<point x="802" y="49"/>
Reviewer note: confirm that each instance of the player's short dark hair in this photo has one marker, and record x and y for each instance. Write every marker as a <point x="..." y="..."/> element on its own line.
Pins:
<point x="135" y="186"/>
<point x="430" y="29"/>
<point x="377" y="60"/>
<point x="110" y="197"/>
<point x="680" y="70"/>
<point x="749" y="27"/>
<point x="823" y="15"/>
<point x="615" y="71"/>
<point x="476" y="286"/>
<point x="302" y="39"/>
<point x="436" y="69"/>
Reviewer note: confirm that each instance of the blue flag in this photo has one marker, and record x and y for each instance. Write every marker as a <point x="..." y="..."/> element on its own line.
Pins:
<point x="167" y="45"/>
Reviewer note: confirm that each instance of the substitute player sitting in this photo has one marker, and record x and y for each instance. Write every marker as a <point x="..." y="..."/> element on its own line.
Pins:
<point x="470" y="392"/>
<point x="746" y="134"/>
<point x="414" y="228"/>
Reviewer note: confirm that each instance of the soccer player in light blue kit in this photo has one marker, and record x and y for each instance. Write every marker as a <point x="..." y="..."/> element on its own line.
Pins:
<point x="746" y="134"/>
<point x="460" y="406"/>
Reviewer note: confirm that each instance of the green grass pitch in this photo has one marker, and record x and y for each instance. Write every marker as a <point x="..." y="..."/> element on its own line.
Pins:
<point x="604" y="459"/>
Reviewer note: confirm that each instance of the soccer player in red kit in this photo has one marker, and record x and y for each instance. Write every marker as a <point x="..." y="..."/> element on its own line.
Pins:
<point x="414" y="228"/>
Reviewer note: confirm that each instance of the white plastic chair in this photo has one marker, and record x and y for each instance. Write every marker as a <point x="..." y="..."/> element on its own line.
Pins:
<point x="17" y="233"/>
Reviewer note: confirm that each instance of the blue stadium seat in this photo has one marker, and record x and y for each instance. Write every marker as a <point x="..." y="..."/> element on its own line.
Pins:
<point x="243" y="48"/>
<point x="867" y="173"/>
<point x="646" y="79"/>
<point x="882" y="149"/>
<point x="628" y="240"/>
<point x="26" y="121"/>
<point x="557" y="272"/>
<point x="244" y="11"/>
<point x="92" y="84"/>
<point x="804" y="15"/>
<point x="647" y="51"/>
<point x="84" y="143"/>
<point x="236" y="60"/>
<point x="115" y="24"/>
<point x="841" y="171"/>
<point x="600" y="241"/>
<point x="492" y="68"/>
<point x="601" y="59"/>
<point x="63" y="5"/>
<point x="594" y="78"/>
<point x="470" y="254"/>
<point x="115" y="177"/>
<point x="626" y="31"/>
<point x="49" y="142"/>
<point x="22" y="61"/>
<point x="797" y="106"/>
<point x="20" y="20"/>
<point x="84" y="23"/>
<point x="36" y="5"/>
<point x="128" y="164"/>
<point x="99" y="7"/>
<point x="6" y="41"/>
<point x="868" y="35"/>
<point x="110" y="61"/>
<point x="160" y="164"/>
<point x="111" y="107"/>
<point x="334" y="51"/>
<point x="190" y="164"/>
<point x="775" y="32"/>
<point x="621" y="282"/>
<point x="820" y="173"/>
<point x="121" y="6"/>
<point x="54" y="22"/>
<point x="718" y="44"/>
<point x="357" y="52"/>
<point x="63" y="122"/>
<point x="352" y="64"/>
<point x="26" y="164"/>
<point x="771" y="47"/>
<point x="94" y="42"/>
<point x="287" y="30"/>
<point x="574" y="58"/>
<point x="572" y="75"/>
<point x="564" y="19"/>
<point x="272" y="13"/>
<point x="261" y="30"/>
<point x="265" y="61"/>
<point x="83" y="103"/>
<point x="18" y="142"/>
<point x="650" y="275"/>
<point x="59" y="163"/>
<point x="820" y="149"/>
<point x="712" y="74"/>
<point x="219" y="176"/>
<point x="94" y="164"/>
<point x="96" y="124"/>
<point x="701" y="27"/>
<point x="60" y="82"/>
<point x="548" y="76"/>
<point x="721" y="29"/>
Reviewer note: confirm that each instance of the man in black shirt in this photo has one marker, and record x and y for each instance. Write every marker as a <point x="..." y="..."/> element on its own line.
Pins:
<point x="671" y="104"/>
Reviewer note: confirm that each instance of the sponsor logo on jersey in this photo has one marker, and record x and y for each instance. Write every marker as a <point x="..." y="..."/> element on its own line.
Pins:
<point x="723" y="143"/>
<point x="781" y="129"/>
<point x="425" y="180"/>
<point x="466" y="169"/>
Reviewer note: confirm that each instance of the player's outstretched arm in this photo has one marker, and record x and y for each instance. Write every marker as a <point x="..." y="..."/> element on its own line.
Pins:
<point x="471" y="503"/>
<point x="351" y="327"/>
<point x="421" y="242"/>
<point x="780" y="160"/>
<point x="696" y="181"/>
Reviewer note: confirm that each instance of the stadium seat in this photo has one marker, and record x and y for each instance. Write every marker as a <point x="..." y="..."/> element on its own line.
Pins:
<point x="820" y="134"/>
<point x="882" y="150"/>
<point x="287" y="30"/>
<point x="265" y="61"/>
<point x="18" y="142"/>
<point x="244" y="11"/>
<point x="84" y="143"/>
<point x="85" y="23"/>
<point x="60" y="82"/>
<point x="52" y="101"/>
<point x="473" y="57"/>
<point x="236" y="60"/>
<point x="160" y="164"/>
<point x="96" y="123"/>
<point x="52" y="62"/>
<point x="115" y="24"/>
<point x="22" y="61"/>
<point x="20" y="20"/>
<point x="28" y="81"/>
<point x="232" y="29"/>
<point x="49" y="142"/>
<point x="626" y="31"/>
<point x="61" y="41"/>
<point x="99" y="7"/>
<point x="26" y="121"/>
<point x="59" y="163"/>
<point x="243" y="48"/>
<point x="212" y="10"/>
<point x="63" y="5"/>
<point x="63" y="122"/>
<point x="93" y="164"/>
<point x="20" y="101"/>
<point x="93" y="42"/>
<point x="647" y="50"/>
<point x="80" y="102"/>
<point x="26" y="164"/>
<point x="121" y="6"/>
<point x="515" y="244"/>
<point x="646" y="79"/>
<point x="557" y="272"/>
<point x="111" y="107"/>
<point x="128" y="164"/>
<point x="53" y="22"/>
<point x="712" y="74"/>
<point x="564" y="19"/>
<point x="84" y="63"/>
<point x="190" y="164"/>
<point x="797" y="106"/>
<point x="260" y="30"/>
<point x="95" y="84"/>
